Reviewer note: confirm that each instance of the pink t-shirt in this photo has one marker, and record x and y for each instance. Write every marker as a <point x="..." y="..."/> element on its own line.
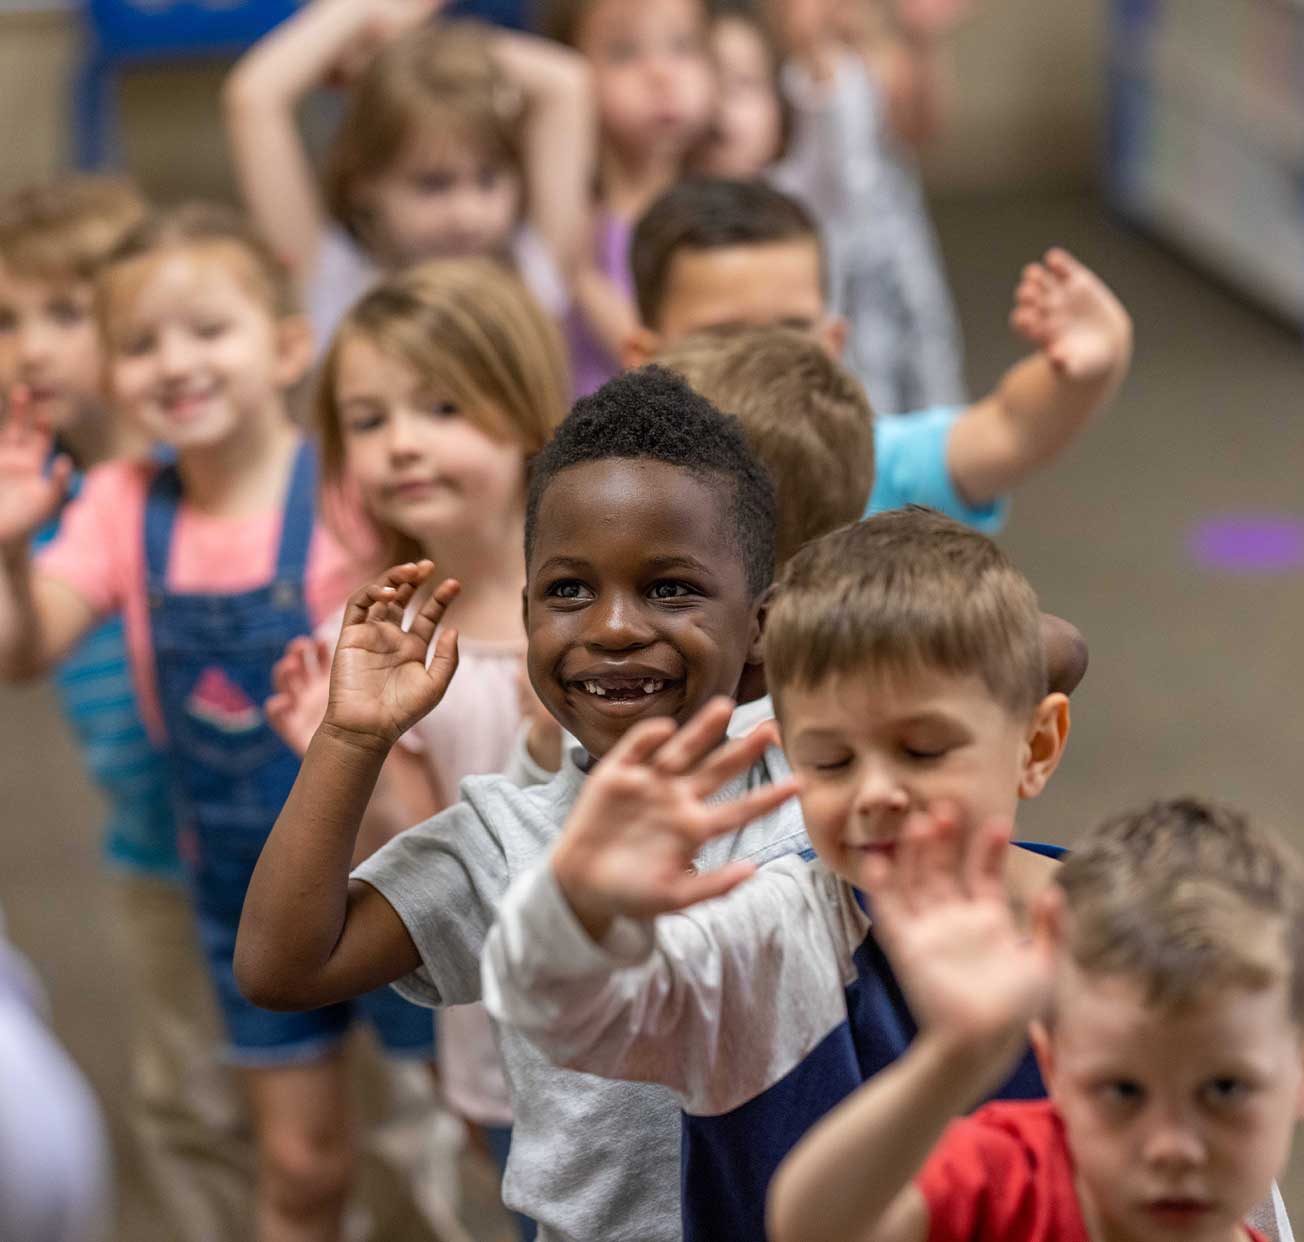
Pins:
<point x="100" y="553"/>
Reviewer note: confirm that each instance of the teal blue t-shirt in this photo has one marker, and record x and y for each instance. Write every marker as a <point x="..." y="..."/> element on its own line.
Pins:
<point x="910" y="469"/>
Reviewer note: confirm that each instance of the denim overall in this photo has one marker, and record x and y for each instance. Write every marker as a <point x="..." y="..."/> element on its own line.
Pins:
<point x="214" y="657"/>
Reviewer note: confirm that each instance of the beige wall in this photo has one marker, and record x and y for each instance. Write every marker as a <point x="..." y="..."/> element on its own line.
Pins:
<point x="1025" y="108"/>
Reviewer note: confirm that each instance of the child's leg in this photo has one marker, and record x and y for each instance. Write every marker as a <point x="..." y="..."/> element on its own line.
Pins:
<point x="187" y="1111"/>
<point x="303" y="1125"/>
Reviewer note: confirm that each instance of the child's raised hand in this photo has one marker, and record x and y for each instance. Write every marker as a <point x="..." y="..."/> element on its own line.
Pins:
<point x="942" y="912"/>
<point x="383" y="22"/>
<point x="301" y="679"/>
<point x="380" y="685"/>
<point x="28" y="496"/>
<point x="628" y="846"/>
<point x="1064" y="309"/>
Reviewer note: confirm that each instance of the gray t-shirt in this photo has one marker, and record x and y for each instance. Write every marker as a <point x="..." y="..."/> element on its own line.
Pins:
<point x="592" y="1160"/>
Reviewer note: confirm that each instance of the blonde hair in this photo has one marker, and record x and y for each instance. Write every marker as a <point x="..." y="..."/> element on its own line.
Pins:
<point x="906" y="590"/>
<point x="205" y="224"/>
<point x="64" y="231"/>
<point x="1187" y="896"/>
<point x="442" y="76"/>
<point x="806" y="417"/>
<point x="471" y="327"/>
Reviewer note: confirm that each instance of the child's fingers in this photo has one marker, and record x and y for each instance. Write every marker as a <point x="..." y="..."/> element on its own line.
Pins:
<point x="985" y="856"/>
<point x="693" y="887"/>
<point x="426" y="619"/>
<point x="696" y="739"/>
<point x="1048" y="914"/>
<point x="910" y="866"/>
<point x="735" y="814"/>
<point x="355" y="610"/>
<point x="640" y="743"/>
<point x="443" y="664"/>
<point x="1060" y="262"/>
<point x="939" y="875"/>
<point x="731" y="759"/>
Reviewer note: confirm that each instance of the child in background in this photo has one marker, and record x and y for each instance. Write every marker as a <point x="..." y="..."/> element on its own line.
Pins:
<point x="725" y="254"/>
<point x="838" y="136"/>
<point x="648" y="544"/>
<point x="440" y="385"/>
<point x="214" y="563"/>
<point x="1167" y="1004"/>
<point x="184" y="1109"/>
<point x="655" y="93"/>
<point x="457" y="140"/>
<point x="905" y="659"/>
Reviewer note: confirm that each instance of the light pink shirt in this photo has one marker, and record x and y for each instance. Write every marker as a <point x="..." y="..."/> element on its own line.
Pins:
<point x="100" y="553"/>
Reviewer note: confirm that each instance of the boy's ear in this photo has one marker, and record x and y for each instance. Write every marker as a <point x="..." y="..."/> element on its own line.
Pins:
<point x="756" y="638"/>
<point x="525" y="608"/>
<point x="641" y="347"/>
<point x="832" y="335"/>
<point x="294" y="349"/>
<point x="1047" y="736"/>
<point x="1039" y="1038"/>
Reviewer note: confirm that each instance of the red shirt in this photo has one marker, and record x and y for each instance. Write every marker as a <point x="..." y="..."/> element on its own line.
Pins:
<point x="1005" y="1173"/>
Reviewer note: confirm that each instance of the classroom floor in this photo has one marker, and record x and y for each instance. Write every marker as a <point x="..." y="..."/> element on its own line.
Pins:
<point x="1172" y="535"/>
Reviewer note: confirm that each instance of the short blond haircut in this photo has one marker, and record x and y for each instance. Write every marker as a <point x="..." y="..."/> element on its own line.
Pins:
<point x="202" y="226"/>
<point x="806" y="417"/>
<point x="905" y="591"/>
<point x="64" y="231"/>
<point x="471" y="328"/>
<point x="442" y="76"/>
<point x="1187" y="897"/>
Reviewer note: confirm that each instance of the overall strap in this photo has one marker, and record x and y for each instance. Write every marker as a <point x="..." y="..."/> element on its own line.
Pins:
<point x="300" y="515"/>
<point x="161" y="505"/>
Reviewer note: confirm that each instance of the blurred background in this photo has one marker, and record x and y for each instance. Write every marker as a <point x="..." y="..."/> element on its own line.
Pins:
<point x="1161" y="142"/>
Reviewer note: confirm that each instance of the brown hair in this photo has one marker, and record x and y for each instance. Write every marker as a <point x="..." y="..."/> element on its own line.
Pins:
<point x="442" y="76"/>
<point x="471" y="327"/>
<point x="908" y="589"/>
<point x="64" y="231"/>
<point x="561" y="19"/>
<point x="806" y="417"/>
<point x="205" y="224"/>
<point x="1183" y="896"/>
<point x="711" y="213"/>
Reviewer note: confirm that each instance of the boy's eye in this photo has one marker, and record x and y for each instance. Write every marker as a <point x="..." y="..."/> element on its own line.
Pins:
<point x="210" y="329"/>
<point x="833" y="765"/>
<point x="66" y="313"/>
<point x="569" y="588"/>
<point x="488" y="177"/>
<point x="1121" y="1093"/>
<point x="435" y="182"/>
<point x="443" y="409"/>
<point x="1227" y="1090"/>
<point x="670" y="590"/>
<point x="924" y="753"/>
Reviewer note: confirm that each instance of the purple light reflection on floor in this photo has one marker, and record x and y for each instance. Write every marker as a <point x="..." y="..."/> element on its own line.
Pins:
<point x="1249" y="543"/>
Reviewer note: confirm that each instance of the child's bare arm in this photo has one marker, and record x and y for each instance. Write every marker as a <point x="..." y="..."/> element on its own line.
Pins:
<point x="942" y="913"/>
<point x="276" y="177"/>
<point x="40" y="618"/>
<point x="307" y="936"/>
<point x="560" y="141"/>
<point x="1083" y="337"/>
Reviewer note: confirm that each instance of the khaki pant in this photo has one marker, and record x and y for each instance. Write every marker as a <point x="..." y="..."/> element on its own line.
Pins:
<point x="188" y="1116"/>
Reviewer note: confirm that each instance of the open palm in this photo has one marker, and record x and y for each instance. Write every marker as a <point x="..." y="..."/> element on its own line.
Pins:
<point x="380" y="685"/>
<point x="28" y="497"/>
<point x="943" y="914"/>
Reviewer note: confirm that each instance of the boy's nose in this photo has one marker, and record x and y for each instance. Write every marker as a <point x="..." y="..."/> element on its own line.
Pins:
<point x="879" y="791"/>
<point x="616" y="625"/>
<point x="1172" y="1142"/>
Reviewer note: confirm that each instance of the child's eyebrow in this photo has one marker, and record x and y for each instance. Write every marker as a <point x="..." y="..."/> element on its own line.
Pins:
<point x="661" y="563"/>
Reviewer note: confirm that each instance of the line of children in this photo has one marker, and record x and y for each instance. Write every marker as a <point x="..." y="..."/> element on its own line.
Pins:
<point x="214" y="562"/>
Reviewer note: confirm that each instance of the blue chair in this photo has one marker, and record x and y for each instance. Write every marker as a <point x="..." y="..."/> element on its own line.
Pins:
<point x="124" y="34"/>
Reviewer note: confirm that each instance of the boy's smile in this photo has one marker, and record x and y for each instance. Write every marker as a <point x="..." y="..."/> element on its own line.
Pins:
<point x="636" y="602"/>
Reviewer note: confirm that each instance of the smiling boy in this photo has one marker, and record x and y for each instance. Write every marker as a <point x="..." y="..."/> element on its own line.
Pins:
<point x="649" y="540"/>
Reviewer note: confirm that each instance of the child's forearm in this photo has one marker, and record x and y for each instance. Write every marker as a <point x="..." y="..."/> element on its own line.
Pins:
<point x="259" y="99"/>
<point x="560" y="142"/>
<point x="298" y="899"/>
<point x="39" y="619"/>
<point x="1027" y="421"/>
<point x="850" y="1178"/>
